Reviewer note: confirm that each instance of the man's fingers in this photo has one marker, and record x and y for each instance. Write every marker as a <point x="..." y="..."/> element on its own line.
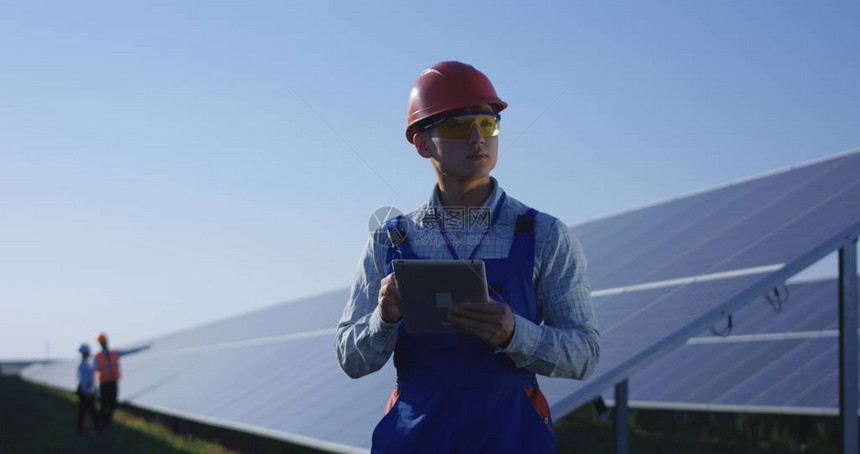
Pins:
<point x="389" y="290"/>
<point x="388" y="301"/>
<point x="491" y="307"/>
<point x="478" y="322"/>
<point x="487" y="332"/>
<point x="470" y="324"/>
<point x="479" y="313"/>
<point x="491" y="321"/>
<point x="388" y="287"/>
<point x="389" y="280"/>
<point x="478" y="317"/>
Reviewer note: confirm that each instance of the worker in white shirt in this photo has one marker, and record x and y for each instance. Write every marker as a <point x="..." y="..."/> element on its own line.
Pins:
<point x="87" y="389"/>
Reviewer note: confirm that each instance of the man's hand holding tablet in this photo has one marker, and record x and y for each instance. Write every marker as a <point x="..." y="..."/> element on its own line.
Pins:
<point x="389" y="300"/>
<point x="426" y="290"/>
<point x="492" y="321"/>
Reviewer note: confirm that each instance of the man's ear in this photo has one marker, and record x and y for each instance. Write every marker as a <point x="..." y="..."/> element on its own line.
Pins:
<point x="420" y="141"/>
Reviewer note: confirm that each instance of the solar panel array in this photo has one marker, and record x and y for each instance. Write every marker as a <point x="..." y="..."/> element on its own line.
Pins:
<point x="661" y="274"/>
<point x="781" y="356"/>
<point x="271" y="372"/>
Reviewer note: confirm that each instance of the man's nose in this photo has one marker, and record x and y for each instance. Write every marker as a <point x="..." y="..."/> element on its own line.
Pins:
<point x="475" y="137"/>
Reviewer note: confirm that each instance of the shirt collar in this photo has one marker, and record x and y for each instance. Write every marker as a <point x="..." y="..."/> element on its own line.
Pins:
<point x="434" y="205"/>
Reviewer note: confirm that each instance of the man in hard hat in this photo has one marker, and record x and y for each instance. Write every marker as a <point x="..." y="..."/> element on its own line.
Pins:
<point x="474" y="392"/>
<point x="107" y="367"/>
<point x="86" y="389"/>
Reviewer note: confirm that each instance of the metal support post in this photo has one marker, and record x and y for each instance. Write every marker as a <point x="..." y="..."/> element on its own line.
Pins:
<point x="848" y="393"/>
<point x="621" y="429"/>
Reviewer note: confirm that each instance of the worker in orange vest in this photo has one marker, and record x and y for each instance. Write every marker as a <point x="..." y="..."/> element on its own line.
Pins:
<point x="107" y="368"/>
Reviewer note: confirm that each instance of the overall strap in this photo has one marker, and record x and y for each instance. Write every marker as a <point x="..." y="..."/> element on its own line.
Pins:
<point x="397" y="240"/>
<point x="523" y="254"/>
<point x="524" y="238"/>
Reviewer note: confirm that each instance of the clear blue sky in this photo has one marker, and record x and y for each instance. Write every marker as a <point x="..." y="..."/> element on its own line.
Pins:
<point x="165" y="164"/>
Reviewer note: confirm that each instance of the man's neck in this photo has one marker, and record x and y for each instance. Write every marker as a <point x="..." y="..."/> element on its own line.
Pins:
<point x="469" y="194"/>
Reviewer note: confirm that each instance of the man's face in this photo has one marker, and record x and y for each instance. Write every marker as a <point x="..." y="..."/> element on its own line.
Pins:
<point x="470" y="158"/>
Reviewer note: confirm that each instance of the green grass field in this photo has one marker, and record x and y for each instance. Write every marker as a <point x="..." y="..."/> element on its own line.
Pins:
<point x="664" y="431"/>
<point x="36" y="419"/>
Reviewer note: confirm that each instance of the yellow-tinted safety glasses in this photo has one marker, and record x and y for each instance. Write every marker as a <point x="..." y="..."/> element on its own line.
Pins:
<point x="460" y="126"/>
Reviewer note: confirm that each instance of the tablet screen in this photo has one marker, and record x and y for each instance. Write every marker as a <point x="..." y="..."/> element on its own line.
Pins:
<point x="429" y="287"/>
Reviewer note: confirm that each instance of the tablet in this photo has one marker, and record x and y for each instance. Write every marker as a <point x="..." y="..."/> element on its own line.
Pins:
<point x="429" y="287"/>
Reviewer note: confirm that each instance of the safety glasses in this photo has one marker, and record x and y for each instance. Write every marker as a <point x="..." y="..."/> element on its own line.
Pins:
<point x="460" y="126"/>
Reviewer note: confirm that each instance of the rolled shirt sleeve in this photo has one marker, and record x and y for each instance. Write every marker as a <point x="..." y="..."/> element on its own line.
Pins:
<point x="364" y="341"/>
<point x="566" y="343"/>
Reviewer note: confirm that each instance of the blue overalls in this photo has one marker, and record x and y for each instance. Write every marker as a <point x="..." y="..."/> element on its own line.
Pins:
<point x="454" y="393"/>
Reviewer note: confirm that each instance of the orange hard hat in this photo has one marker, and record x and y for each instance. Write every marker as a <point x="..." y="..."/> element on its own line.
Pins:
<point x="446" y="86"/>
<point x="102" y="338"/>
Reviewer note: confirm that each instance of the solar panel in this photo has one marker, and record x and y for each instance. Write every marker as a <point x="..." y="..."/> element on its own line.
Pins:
<point x="665" y="272"/>
<point x="272" y="372"/>
<point x="779" y="358"/>
<point x="661" y="274"/>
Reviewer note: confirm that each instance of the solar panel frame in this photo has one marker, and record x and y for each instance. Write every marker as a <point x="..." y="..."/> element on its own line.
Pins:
<point x="799" y="380"/>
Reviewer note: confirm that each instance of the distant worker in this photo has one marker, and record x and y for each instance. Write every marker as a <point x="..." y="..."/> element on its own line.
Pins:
<point x="107" y="367"/>
<point x="477" y="391"/>
<point x="86" y="389"/>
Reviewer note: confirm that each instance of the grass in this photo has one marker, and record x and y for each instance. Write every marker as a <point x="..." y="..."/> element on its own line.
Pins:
<point x="666" y="431"/>
<point x="36" y="419"/>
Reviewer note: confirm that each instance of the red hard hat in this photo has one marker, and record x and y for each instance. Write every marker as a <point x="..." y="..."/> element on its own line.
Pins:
<point x="446" y="86"/>
<point x="102" y="338"/>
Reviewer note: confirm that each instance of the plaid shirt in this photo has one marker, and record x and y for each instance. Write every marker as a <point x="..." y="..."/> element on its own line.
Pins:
<point x="565" y="344"/>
